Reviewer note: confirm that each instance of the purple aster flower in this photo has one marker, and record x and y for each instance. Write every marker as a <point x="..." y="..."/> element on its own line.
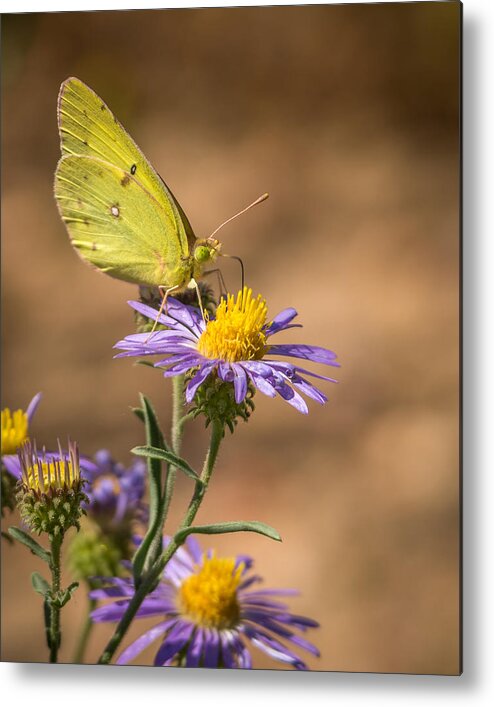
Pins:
<point x="234" y="345"/>
<point x="115" y="492"/>
<point x="209" y="614"/>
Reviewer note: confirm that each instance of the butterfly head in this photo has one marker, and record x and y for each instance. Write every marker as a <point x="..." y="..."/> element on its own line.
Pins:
<point x="206" y="250"/>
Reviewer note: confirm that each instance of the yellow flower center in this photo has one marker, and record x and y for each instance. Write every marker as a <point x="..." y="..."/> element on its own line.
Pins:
<point x="50" y="475"/>
<point x="14" y="430"/>
<point x="236" y="334"/>
<point x="209" y="597"/>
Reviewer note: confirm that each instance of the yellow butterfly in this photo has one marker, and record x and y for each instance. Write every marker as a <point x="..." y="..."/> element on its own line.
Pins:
<point x="121" y="216"/>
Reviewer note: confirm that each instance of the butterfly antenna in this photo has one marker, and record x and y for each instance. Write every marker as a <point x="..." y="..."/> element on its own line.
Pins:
<point x="235" y="257"/>
<point x="254" y="203"/>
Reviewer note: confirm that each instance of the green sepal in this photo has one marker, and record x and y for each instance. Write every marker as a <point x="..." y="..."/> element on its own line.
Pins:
<point x="170" y="458"/>
<point x="30" y="543"/>
<point x="252" y="526"/>
<point x="40" y="585"/>
<point x="155" y="440"/>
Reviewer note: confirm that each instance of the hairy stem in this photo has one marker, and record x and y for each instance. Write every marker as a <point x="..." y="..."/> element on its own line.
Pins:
<point x="55" y="635"/>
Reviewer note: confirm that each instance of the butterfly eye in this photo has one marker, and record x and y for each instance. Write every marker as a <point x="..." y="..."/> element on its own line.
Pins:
<point x="202" y="254"/>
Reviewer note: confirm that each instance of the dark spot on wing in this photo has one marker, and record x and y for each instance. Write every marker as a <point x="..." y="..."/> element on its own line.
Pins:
<point x="85" y="112"/>
<point x="86" y="222"/>
<point x="94" y="246"/>
<point x="133" y="169"/>
<point x="102" y="106"/>
<point x="125" y="180"/>
<point x="85" y="177"/>
<point x="86" y="143"/>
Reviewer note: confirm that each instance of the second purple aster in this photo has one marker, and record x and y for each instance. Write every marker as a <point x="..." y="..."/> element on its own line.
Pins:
<point x="209" y="614"/>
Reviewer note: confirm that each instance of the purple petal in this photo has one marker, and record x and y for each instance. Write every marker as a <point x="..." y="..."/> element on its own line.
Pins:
<point x="274" y="648"/>
<point x="197" y="380"/>
<point x="143" y="642"/>
<point x="262" y="384"/>
<point x="311" y="353"/>
<point x="310" y="390"/>
<point x="239" y="383"/>
<point x="176" y="313"/>
<point x="262" y="619"/>
<point x="32" y="407"/>
<point x="12" y="464"/>
<point x="178" y="368"/>
<point x="111" y="612"/>
<point x="150" y="312"/>
<point x="301" y="622"/>
<point x="225" y="371"/>
<point x="174" y="642"/>
<point x="211" y="648"/>
<point x="261" y="593"/>
<point x="244" y="560"/>
<point x="195" y="649"/>
<point x="249" y="581"/>
<point x="281" y="321"/>
<point x="244" y="657"/>
<point x="194" y="548"/>
<point x="114" y="612"/>
<point x="112" y="592"/>
<point x="291" y="396"/>
<point x="226" y="652"/>
<point x="292" y="371"/>
<point x="260" y="368"/>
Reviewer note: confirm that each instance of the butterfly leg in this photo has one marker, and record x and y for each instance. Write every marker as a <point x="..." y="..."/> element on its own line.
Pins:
<point x="164" y="292"/>
<point x="194" y="286"/>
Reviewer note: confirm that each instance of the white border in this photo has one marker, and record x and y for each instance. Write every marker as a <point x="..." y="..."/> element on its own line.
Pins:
<point x="74" y="686"/>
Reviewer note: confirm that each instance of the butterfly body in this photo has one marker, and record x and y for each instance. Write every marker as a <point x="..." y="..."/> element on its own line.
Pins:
<point x="120" y="215"/>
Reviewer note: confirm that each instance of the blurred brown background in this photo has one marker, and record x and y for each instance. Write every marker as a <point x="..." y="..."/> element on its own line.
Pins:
<point x="348" y="116"/>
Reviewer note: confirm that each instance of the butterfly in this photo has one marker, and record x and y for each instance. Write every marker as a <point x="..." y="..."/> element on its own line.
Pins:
<point x="120" y="215"/>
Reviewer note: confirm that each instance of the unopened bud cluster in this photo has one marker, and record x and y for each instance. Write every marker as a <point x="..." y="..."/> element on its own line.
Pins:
<point x="92" y="554"/>
<point x="50" y="491"/>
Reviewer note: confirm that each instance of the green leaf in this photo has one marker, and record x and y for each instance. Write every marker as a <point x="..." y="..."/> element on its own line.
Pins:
<point x="40" y="584"/>
<point x="139" y="412"/>
<point x="165" y="455"/>
<point x="252" y="526"/>
<point x="30" y="543"/>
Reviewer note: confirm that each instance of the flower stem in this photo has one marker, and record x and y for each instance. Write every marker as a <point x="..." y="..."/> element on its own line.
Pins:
<point x="154" y="573"/>
<point x="55" y="635"/>
<point x="178" y="423"/>
<point x="85" y="633"/>
<point x="207" y="470"/>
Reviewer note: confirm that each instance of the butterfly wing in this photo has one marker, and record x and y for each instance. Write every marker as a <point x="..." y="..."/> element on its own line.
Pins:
<point x="118" y="225"/>
<point x="88" y="127"/>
